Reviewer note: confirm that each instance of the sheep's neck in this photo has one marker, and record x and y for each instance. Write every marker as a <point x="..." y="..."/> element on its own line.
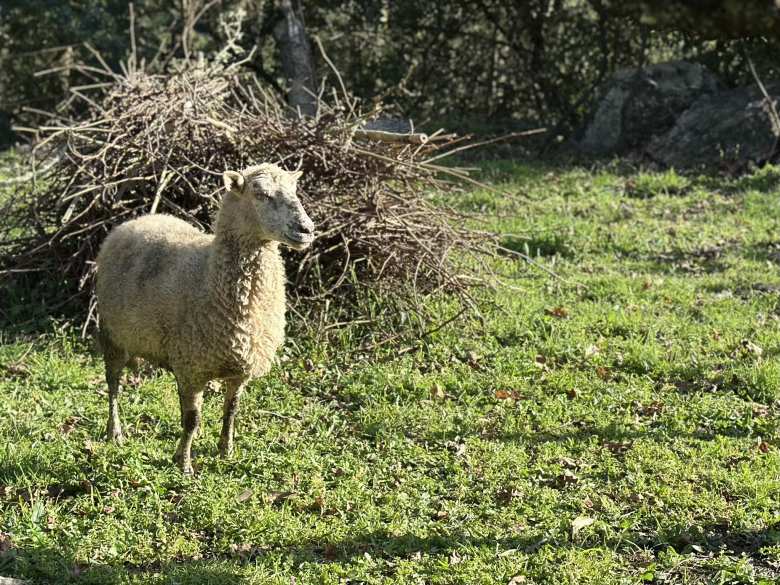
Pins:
<point x="244" y="277"/>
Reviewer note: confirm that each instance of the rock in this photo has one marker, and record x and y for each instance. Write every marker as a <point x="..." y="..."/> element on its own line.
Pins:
<point x="638" y="104"/>
<point x="11" y="581"/>
<point x="727" y="130"/>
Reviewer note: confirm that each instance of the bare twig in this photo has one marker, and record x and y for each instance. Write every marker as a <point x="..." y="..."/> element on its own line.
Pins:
<point x="774" y="118"/>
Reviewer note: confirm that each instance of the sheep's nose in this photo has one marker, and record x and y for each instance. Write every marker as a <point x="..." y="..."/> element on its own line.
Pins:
<point x="305" y="226"/>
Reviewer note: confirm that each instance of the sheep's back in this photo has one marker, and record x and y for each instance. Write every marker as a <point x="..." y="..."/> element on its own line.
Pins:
<point x="149" y="273"/>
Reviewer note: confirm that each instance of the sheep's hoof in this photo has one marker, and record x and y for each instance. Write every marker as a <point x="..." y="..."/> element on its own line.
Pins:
<point x="178" y="460"/>
<point x="115" y="435"/>
<point x="225" y="449"/>
<point x="185" y="469"/>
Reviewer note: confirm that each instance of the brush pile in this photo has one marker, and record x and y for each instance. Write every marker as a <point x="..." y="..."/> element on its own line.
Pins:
<point x="159" y="143"/>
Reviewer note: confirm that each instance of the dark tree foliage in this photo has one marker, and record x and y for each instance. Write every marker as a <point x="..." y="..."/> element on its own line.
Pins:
<point x="539" y="60"/>
<point x="532" y="61"/>
<point x="713" y="19"/>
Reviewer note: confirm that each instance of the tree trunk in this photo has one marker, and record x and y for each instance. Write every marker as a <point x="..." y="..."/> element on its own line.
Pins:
<point x="296" y="58"/>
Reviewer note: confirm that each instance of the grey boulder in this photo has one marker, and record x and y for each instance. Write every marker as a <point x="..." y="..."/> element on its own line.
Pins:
<point x="638" y="104"/>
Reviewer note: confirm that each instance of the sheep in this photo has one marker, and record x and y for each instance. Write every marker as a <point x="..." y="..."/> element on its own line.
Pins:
<point x="206" y="307"/>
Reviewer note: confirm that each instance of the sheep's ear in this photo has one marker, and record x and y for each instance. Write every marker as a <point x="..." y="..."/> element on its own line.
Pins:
<point x="296" y="175"/>
<point x="233" y="181"/>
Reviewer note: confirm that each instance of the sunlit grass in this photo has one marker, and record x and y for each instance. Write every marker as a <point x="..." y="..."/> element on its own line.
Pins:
<point x="615" y="423"/>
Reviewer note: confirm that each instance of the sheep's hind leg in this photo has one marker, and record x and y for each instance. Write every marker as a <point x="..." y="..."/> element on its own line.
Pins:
<point x="115" y="360"/>
<point x="191" y="401"/>
<point x="233" y="389"/>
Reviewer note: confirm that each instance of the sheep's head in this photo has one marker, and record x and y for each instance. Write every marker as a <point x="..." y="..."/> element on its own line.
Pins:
<point x="278" y="214"/>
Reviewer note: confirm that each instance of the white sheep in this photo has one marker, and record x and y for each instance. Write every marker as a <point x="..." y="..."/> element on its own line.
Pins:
<point x="207" y="307"/>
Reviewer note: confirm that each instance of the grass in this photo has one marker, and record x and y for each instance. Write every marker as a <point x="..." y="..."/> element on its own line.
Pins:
<point x="618" y="424"/>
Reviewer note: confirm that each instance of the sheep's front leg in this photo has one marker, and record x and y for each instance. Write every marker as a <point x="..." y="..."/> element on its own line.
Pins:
<point x="191" y="401"/>
<point x="233" y="390"/>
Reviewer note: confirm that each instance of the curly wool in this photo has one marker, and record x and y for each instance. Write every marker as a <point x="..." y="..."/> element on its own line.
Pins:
<point x="208" y="306"/>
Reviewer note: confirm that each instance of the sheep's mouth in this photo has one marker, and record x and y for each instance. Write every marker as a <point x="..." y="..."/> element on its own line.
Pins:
<point x="299" y="240"/>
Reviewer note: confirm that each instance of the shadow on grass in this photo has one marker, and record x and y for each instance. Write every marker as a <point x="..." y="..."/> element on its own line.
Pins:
<point x="766" y="251"/>
<point x="58" y="565"/>
<point x="50" y="565"/>
<point x="42" y="565"/>
<point x="706" y="540"/>
<point x="704" y="543"/>
<point x="765" y="180"/>
<point x="707" y="260"/>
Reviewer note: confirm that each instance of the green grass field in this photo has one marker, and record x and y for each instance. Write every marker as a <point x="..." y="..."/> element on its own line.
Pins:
<point x="616" y="423"/>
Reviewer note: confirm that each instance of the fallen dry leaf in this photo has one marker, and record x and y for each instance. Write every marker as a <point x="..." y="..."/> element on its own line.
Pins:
<point x="558" y="312"/>
<point x="319" y="503"/>
<point x="70" y="423"/>
<point x="763" y="446"/>
<point x="458" y="448"/>
<point x="277" y="497"/>
<point x="592" y="350"/>
<point x="241" y="550"/>
<point x="572" y="393"/>
<point x="437" y="392"/>
<point x="650" y="409"/>
<point x="507" y="395"/>
<point x="441" y="515"/>
<point x="507" y="494"/>
<point x="617" y="447"/>
<point x="747" y="347"/>
<point x="16" y="370"/>
<point x="568" y="462"/>
<point x="568" y="477"/>
<point x="472" y="359"/>
<point x="579" y="523"/>
<point x="244" y="496"/>
<point x="603" y="373"/>
<point x="760" y="410"/>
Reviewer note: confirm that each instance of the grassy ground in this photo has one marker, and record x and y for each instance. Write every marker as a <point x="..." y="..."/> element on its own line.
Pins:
<point x="616" y="425"/>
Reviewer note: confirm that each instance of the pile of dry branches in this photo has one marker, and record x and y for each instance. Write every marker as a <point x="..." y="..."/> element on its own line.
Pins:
<point x="159" y="143"/>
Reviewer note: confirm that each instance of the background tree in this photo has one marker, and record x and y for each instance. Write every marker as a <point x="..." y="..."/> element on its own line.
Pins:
<point x="503" y="64"/>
